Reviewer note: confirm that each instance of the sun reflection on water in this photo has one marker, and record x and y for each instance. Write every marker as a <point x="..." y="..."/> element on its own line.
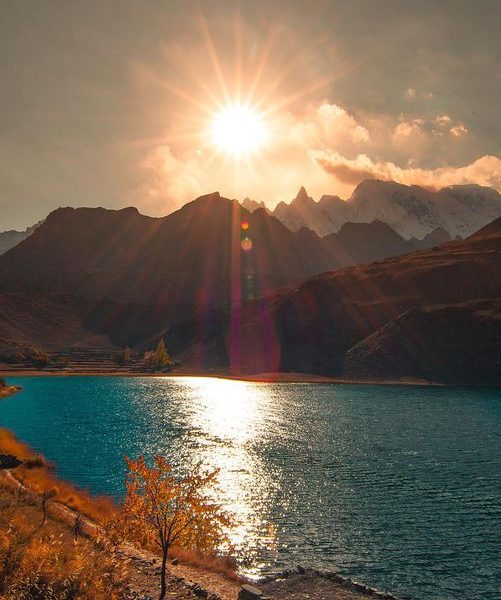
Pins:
<point x="225" y="425"/>
<point x="227" y="409"/>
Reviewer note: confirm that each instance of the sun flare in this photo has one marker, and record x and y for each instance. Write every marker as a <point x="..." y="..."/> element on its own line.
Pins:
<point x="238" y="129"/>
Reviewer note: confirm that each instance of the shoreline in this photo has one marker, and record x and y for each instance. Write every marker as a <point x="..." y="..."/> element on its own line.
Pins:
<point x="278" y="377"/>
<point x="304" y="583"/>
<point x="282" y="584"/>
<point x="9" y="390"/>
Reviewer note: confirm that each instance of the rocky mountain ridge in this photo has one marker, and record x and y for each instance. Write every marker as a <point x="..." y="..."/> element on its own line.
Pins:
<point x="412" y="211"/>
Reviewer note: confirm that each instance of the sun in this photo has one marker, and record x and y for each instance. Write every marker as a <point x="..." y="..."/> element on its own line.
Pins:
<point x="238" y="129"/>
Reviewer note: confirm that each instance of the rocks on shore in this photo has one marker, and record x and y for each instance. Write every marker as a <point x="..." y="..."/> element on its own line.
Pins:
<point x="249" y="592"/>
<point x="7" y="390"/>
<point x="316" y="584"/>
<point x="9" y="461"/>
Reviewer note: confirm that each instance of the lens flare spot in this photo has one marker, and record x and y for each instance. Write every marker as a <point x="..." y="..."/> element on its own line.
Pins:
<point x="246" y="244"/>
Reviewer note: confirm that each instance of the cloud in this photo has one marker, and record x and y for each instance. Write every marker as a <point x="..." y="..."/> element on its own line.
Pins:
<point x="168" y="181"/>
<point x="411" y="94"/>
<point x="458" y="130"/>
<point x="438" y="126"/>
<point x="484" y="171"/>
<point x="443" y="124"/>
<point x="329" y="125"/>
<point x="407" y="129"/>
<point x="326" y="148"/>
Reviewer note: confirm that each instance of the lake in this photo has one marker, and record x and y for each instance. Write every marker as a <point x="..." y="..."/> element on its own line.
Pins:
<point x="395" y="486"/>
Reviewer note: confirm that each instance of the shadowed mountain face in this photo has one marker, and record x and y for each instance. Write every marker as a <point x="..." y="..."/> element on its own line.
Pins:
<point x="433" y="315"/>
<point x="434" y="238"/>
<point x="412" y="211"/>
<point x="96" y="277"/>
<point x="209" y="252"/>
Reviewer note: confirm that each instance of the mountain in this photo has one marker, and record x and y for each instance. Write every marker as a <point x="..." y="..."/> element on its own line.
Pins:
<point x="101" y="279"/>
<point x="211" y="250"/>
<point x="9" y="239"/>
<point x="411" y="211"/>
<point x="433" y="315"/>
<point x="434" y="238"/>
<point x="323" y="217"/>
<point x="252" y="205"/>
<point x="366" y="242"/>
<point x="125" y="255"/>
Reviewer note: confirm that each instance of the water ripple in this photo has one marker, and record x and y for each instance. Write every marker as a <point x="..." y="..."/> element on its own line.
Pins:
<point x="395" y="486"/>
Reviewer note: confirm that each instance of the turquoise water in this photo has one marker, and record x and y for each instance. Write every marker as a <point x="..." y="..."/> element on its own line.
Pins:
<point x="395" y="486"/>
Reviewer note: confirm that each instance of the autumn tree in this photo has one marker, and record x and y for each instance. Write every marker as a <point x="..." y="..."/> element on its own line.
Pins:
<point x="164" y="510"/>
<point x="162" y="358"/>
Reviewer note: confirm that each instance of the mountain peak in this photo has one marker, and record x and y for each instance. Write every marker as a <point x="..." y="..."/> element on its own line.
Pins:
<point x="372" y="185"/>
<point x="302" y="195"/>
<point x="209" y="197"/>
<point x="492" y="229"/>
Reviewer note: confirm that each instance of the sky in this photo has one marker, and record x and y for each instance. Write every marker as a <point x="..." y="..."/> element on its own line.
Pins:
<point x="113" y="103"/>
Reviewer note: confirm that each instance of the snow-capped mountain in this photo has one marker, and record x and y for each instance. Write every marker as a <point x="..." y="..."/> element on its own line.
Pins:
<point x="324" y="217"/>
<point x="412" y="211"/>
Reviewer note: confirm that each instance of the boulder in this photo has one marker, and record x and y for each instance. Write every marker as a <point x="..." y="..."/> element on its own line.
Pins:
<point x="249" y="592"/>
<point x="8" y="461"/>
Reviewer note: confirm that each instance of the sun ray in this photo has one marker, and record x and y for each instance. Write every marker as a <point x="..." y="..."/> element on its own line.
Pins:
<point x="213" y="55"/>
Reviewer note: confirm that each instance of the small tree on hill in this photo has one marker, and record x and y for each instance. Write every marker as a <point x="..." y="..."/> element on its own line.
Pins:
<point x="165" y="510"/>
<point x="127" y="355"/>
<point x="162" y="358"/>
<point x="46" y="496"/>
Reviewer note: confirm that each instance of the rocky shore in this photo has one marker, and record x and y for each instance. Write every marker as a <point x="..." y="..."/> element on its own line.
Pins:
<point x="7" y="390"/>
<point x="311" y="584"/>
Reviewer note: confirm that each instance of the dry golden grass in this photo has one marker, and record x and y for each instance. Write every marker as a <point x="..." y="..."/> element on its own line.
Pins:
<point x="37" y="474"/>
<point x="45" y="562"/>
<point x="24" y="542"/>
<point x="224" y="565"/>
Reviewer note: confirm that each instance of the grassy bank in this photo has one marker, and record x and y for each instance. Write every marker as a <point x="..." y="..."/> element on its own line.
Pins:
<point x="61" y="548"/>
<point x="40" y="557"/>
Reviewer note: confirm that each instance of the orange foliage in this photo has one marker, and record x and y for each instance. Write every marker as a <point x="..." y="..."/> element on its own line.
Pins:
<point x="164" y="510"/>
